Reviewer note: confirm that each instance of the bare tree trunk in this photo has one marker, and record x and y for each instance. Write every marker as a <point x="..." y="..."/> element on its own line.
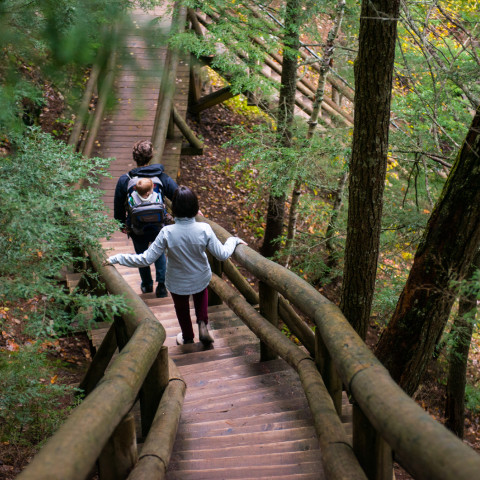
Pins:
<point x="373" y="86"/>
<point x="447" y="249"/>
<point x="286" y="106"/>
<point x="462" y="329"/>
<point x="337" y="205"/>
<point x="312" y="123"/>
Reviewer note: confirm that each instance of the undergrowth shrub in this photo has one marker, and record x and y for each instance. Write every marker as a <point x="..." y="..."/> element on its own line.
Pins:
<point x="46" y="225"/>
<point x="30" y="401"/>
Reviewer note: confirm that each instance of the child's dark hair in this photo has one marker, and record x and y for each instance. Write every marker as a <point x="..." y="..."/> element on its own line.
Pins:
<point x="184" y="203"/>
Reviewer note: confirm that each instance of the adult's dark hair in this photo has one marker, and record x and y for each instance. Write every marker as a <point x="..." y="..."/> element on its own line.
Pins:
<point x="142" y="152"/>
<point x="184" y="202"/>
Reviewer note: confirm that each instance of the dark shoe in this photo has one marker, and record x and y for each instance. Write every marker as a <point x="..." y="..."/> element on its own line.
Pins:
<point x="148" y="289"/>
<point x="161" y="291"/>
<point x="204" y="334"/>
<point x="180" y="340"/>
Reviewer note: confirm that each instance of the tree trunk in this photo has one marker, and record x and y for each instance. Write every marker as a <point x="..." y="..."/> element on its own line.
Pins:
<point x="444" y="255"/>
<point x="373" y="86"/>
<point x="330" y="233"/>
<point x="286" y="106"/>
<point x="462" y="329"/>
<point x="312" y="123"/>
<point x="292" y="220"/>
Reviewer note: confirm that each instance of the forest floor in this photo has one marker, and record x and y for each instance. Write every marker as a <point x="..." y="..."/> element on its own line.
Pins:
<point x="222" y="194"/>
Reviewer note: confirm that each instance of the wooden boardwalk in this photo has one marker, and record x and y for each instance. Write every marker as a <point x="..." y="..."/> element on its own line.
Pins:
<point x="136" y="93"/>
<point x="241" y="418"/>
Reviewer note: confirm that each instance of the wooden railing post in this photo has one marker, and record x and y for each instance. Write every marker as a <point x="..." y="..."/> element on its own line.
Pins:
<point x="100" y="362"/>
<point x="373" y="452"/>
<point x="327" y="370"/>
<point x="119" y="455"/>
<point x="217" y="269"/>
<point x="171" y="126"/>
<point x="152" y="390"/>
<point x="120" y="332"/>
<point x="269" y="309"/>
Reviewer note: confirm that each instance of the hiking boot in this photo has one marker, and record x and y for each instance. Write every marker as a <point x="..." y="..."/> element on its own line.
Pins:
<point x="180" y="340"/>
<point x="146" y="289"/>
<point x="161" y="291"/>
<point x="204" y="334"/>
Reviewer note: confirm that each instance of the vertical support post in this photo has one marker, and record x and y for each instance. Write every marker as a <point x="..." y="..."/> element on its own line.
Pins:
<point x="327" y="370"/>
<point x="269" y="309"/>
<point x="120" y="332"/>
<point x="373" y="452"/>
<point x="336" y="96"/>
<point x="217" y="269"/>
<point x="119" y="455"/>
<point x="152" y="389"/>
<point x="195" y="86"/>
<point x="171" y="126"/>
<point x="100" y="362"/>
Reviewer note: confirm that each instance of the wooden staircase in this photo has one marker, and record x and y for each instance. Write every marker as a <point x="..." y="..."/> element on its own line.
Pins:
<point x="242" y="418"/>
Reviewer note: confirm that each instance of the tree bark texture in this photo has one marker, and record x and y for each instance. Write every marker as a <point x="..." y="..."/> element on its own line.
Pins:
<point x="373" y="85"/>
<point x="445" y="253"/>
<point x="286" y="106"/>
<point x="462" y="329"/>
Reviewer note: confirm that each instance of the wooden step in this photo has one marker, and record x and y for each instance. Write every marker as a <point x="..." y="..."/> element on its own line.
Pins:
<point x="312" y="468"/>
<point x="258" y="459"/>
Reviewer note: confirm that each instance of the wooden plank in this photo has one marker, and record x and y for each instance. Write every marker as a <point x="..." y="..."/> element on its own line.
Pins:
<point x="241" y="472"/>
<point x="243" y="450"/>
<point x="229" y="461"/>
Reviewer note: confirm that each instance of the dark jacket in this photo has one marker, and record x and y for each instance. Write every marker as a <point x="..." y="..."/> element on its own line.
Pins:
<point x="155" y="170"/>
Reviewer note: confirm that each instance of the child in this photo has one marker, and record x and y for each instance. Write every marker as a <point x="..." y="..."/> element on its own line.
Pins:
<point x="188" y="270"/>
<point x="144" y="188"/>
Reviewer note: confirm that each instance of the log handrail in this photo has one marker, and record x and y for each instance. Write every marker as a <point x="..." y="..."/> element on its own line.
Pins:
<point x="167" y="88"/>
<point x="422" y="445"/>
<point x="72" y="451"/>
<point x="338" y="458"/>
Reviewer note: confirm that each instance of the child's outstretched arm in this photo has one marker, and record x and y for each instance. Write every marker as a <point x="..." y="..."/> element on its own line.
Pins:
<point x="143" y="259"/>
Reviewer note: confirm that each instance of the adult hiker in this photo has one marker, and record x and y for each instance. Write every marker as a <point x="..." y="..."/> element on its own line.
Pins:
<point x="142" y="223"/>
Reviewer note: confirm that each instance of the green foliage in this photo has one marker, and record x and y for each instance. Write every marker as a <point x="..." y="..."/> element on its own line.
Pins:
<point x="389" y="284"/>
<point x="48" y="41"/>
<point x="435" y="86"/>
<point x="246" y="38"/>
<point x="46" y="224"/>
<point x="472" y="398"/>
<point x="279" y="167"/>
<point x="30" y="399"/>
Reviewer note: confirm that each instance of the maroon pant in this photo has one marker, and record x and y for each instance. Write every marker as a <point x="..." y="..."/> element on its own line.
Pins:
<point x="182" y="309"/>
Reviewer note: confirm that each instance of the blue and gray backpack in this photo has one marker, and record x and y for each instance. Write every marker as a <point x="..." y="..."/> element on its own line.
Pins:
<point x="144" y="217"/>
